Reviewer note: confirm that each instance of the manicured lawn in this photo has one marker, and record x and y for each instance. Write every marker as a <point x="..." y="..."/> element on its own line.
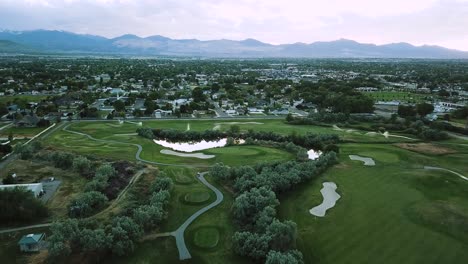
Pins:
<point x="395" y="212"/>
<point x="400" y="96"/>
<point x="197" y="197"/>
<point x="206" y="237"/>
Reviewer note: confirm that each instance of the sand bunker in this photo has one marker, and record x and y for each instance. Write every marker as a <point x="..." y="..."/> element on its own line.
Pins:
<point x="187" y="155"/>
<point x="330" y="196"/>
<point x="335" y="127"/>
<point x="367" y="161"/>
<point x="313" y="155"/>
<point x="217" y="127"/>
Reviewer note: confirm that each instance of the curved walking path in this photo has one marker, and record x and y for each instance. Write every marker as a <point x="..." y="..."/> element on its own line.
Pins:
<point x="442" y="169"/>
<point x="137" y="154"/>
<point x="179" y="233"/>
<point x="24" y="228"/>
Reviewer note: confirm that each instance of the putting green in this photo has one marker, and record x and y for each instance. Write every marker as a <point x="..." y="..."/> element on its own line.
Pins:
<point x="197" y="197"/>
<point x="206" y="237"/>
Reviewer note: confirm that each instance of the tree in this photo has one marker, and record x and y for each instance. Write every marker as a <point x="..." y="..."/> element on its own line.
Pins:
<point x="289" y="118"/>
<point x="220" y="172"/>
<point x="248" y="205"/>
<point x="406" y="111"/>
<point x="86" y="204"/>
<point x="81" y="165"/>
<point x="105" y="170"/>
<point x="20" y="206"/>
<point x="3" y="109"/>
<point x="123" y="232"/>
<point x="197" y="95"/>
<point x="249" y="244"/>
<point x="24" y="151"/>
<point x="283" y="235"/>
<point x="161" y="183"/>
<point x="119" y="106"/>
<point x="93" y="240"/>
<point x="289" y="257"/>
<point x="424" y="109"/>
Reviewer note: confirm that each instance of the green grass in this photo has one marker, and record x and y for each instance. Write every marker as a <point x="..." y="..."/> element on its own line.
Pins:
<point x="395" y="212"/>
<point x="206" y="237"/>
<point x="27" y="98"/>
<point x="21" y="132"/>
<point x="389" y="213"/>
<point x="197" y="197"/>
<point x="400" y="96"/>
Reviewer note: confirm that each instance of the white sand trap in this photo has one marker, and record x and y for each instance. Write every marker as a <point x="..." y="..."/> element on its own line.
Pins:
<point x="330" y="196"/>
<point x="367" y="161"/>
<point x="187" y="155"/>
<point x="217" y="127"/>
<point x="335" y="127"/>
<point x="188" y="127"/>
<point x="350" y="131"/>
<point x="313" y="155"/>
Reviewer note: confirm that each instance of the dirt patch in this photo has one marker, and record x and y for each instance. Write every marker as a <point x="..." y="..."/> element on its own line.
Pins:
<point x="426" y="148"/>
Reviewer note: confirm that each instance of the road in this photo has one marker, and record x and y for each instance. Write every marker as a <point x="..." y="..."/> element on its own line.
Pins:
<point x="218" y="110"/>
<point x="184" y="253"/>
<point x="24" y="228"/>
<point x="442" y="169"/>
<point x="137" y="154"/>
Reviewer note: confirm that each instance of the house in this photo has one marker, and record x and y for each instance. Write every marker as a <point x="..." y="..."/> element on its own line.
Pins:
<point x="32" y="242"/>
<point x="158" y="113"/>
<point x="35" y="188"/>
<point x="29" y="120"/>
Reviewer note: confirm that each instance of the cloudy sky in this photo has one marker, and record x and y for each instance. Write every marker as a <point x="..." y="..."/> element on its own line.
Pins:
<point x="435" y="22"/>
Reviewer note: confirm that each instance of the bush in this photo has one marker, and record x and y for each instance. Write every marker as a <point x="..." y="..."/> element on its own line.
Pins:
<point x="145" y="132"/>
<point x="86" y="204"/>
<point x="81" y="165"/>
<point x="62" y="160"/>
<point x="433" y="134"/>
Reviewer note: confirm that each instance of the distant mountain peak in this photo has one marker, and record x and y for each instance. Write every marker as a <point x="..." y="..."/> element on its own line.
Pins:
<point x="63" y="41"/>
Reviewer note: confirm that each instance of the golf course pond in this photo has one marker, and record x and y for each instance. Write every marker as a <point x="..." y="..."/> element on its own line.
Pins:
<point x="189" y="147"/>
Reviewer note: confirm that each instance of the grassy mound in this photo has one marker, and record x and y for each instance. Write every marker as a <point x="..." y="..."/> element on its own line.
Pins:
<point x="206" y="237"/>
<point x="197" y="197"/>
<point x="183" y="179"/>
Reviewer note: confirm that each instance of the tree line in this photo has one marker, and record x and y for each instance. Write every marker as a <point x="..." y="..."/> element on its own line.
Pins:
<point x="261" y="235"/>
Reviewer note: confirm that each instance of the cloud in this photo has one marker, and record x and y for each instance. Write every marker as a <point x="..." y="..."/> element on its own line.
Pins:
<point x="276" y="21"/>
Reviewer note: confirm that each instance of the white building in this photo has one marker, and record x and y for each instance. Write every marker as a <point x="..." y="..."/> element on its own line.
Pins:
<point x="35" y="188"/>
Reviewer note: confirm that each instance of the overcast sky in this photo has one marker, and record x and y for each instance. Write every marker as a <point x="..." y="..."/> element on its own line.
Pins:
<point x="435" y="22"/>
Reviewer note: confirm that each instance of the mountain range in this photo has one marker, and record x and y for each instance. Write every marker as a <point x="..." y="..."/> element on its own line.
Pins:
<point x="52" y="41"/>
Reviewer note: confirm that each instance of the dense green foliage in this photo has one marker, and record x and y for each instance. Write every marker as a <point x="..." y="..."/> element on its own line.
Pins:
<point x="254" y="206"/>
<point x="20" y="206"/>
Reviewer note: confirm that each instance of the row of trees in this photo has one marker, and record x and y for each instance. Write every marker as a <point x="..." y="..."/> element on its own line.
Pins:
<point x="262" y="236"/>
<point x="308" y="141"/>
